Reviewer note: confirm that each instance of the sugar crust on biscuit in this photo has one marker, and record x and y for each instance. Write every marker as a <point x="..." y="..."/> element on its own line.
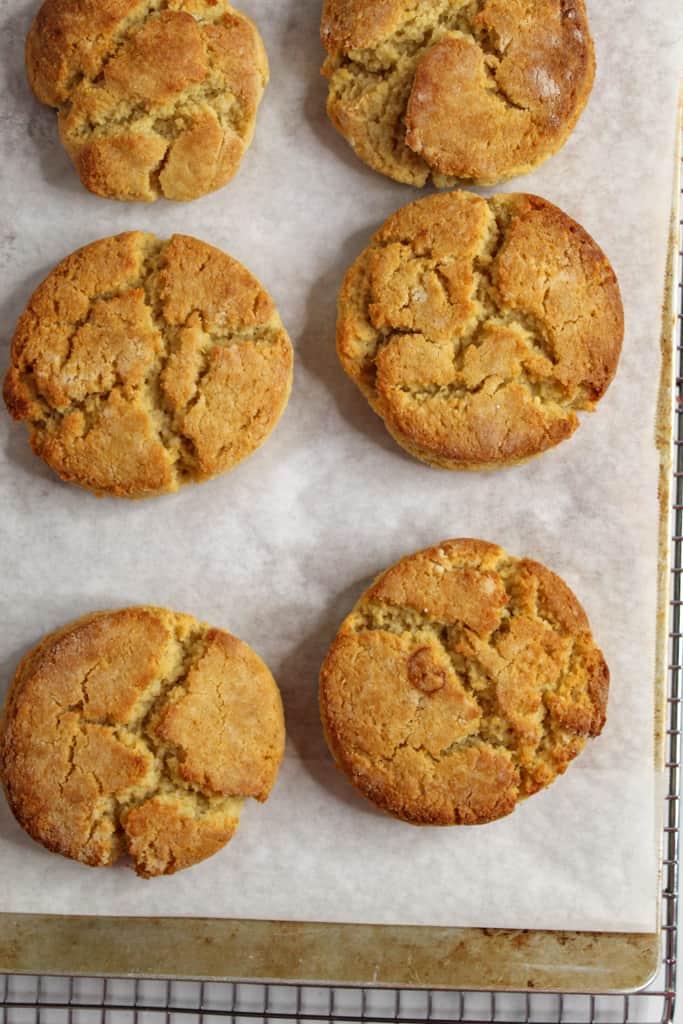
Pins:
<point x="463" y="681"/>
<point x="140" y="365"/>
<point x="474" y="91"/>
<point x="154" y="97"/>
<point x="139" y="732"/>
<point x="478" y="329"/>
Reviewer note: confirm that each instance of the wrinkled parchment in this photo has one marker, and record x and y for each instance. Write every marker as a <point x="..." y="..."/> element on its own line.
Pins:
<point x="279" y="550"/>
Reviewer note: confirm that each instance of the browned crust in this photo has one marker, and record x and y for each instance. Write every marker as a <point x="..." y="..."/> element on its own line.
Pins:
<point x="509" y="685"/>
<point x="152" y="102"/>
<point x="140" y="365"/>
<point x="454" y="91"/>
<point x="357" y="24"/>
<point x="477" y="329"/>
<point x="138" y="731"/>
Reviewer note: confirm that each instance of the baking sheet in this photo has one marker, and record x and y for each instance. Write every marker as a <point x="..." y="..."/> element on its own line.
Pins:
<point x="278" y="550"/>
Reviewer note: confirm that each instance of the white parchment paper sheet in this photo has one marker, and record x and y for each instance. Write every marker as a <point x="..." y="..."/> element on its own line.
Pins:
<point x="279" y="550"/>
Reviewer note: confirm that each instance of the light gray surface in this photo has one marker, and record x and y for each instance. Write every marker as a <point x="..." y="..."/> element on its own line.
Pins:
<point x="278" y="551"/>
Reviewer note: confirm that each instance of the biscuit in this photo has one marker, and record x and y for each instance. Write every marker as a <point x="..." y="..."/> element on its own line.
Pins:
<point x="141" y="365"/>
<point x="478" y="328"/>
<point x="155" y="98"/>
<point x="456" y="90"/>
<point x="463" y="681"/>
<point x="139" y="732"/>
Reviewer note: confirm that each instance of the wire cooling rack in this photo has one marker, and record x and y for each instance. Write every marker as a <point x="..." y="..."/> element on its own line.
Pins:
<point x="26" y="999"/>
<point x="90" y="1000"/>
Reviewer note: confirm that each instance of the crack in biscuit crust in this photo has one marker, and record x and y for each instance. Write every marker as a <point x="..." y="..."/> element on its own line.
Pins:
<point x="463" y="681"/>
<point x="142" y="365"/>
<point x="155" y="97"/>
<point x="140" y="732"/>
<point x="478" y="328"/>
<point x="456" y="90"/>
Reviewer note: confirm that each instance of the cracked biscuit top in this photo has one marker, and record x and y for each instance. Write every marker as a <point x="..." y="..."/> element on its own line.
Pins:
<point x="477" y="329"/>
<point x="141" y="365"/>
<point x="469" y="90"/>
<point x="463" y="681"/>
<point x="139" y="732"/>
<point x="155" y="97"/>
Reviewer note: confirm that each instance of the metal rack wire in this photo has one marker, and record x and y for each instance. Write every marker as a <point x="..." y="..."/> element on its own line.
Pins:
<point x="48" y="1000"/>
<point x="119" y="1001"/>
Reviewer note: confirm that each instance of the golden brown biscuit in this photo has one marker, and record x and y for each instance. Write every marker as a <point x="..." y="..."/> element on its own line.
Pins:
<point x="455" y="89"/>
<point x="463" y="681"/>
<point x="141" y="365"/>
<point x="154" y="98"/>
<point x="478" y="328"/>
<point x="139" y="731"/>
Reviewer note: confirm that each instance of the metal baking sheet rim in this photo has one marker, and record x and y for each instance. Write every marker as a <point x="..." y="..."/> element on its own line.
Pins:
<point x="378" y="955"/>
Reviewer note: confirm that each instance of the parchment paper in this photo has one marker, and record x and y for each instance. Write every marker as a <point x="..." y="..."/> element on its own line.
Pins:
<point x="278" y="550"/>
